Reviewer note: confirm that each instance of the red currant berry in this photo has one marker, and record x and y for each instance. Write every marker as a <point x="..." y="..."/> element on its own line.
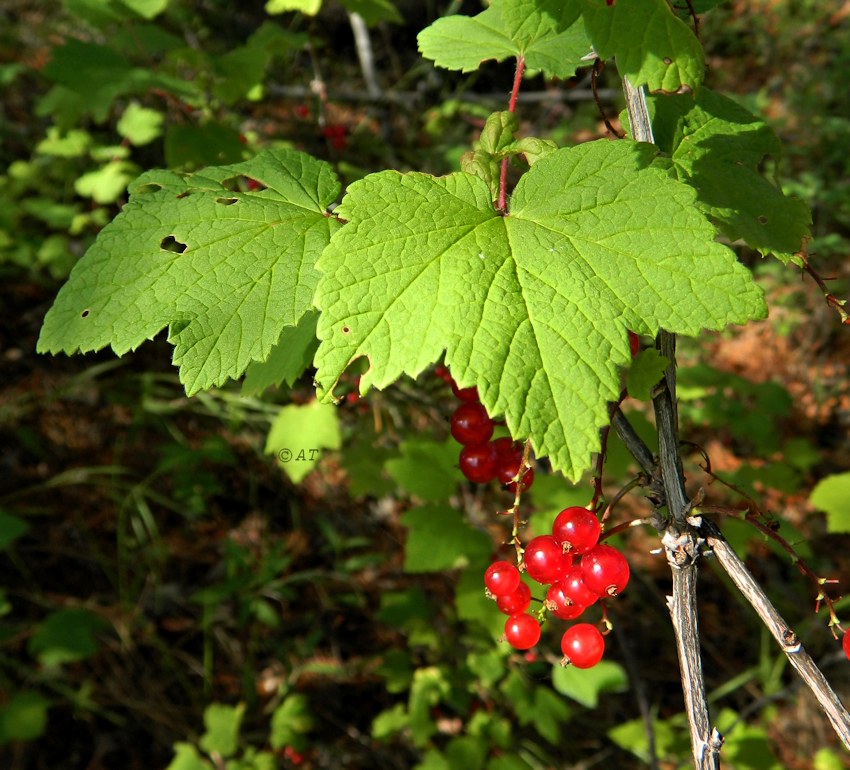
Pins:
<point x="471" y="425"/>
<point x="478" y="463"/>
<point x="507" y="468"/>
<point x="527" y="481"/>
<point x="507" y="447"/>
<point x="443" y="373"/>
<point x="577" y="529"/>
<point x="560" y="604"/>
<point x="634" y="344"/>
<point x="604" y="570"/>
<point x="501" y="578"/>
<point x="845" y="643"/>
<point x="522" y="631"/>
<point x="582" y="645"/>
<point x="515" y="603"/>
<point x="545" y="560"/>
<point x="465" y="394"/>
<point x="574" y="588"/>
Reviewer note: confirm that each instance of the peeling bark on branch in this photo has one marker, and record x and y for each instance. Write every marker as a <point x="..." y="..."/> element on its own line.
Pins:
<point x="780" y="630"/>
<point x="680" y="539"/>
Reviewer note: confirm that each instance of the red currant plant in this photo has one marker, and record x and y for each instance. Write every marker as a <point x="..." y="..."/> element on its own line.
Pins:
<point x="527" y="294"/>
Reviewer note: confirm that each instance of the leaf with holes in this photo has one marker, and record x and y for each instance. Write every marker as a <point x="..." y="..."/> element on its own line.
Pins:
<point x="547" y="33"/>
<point x="225" y="268"/>
<point x="534" y="307"/>
<point x="717" y="147"/>
<point x="651" y="45"/>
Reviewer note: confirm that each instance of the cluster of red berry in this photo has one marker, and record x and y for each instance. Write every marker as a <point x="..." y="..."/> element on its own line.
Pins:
<point x="483" y="458"/>
<point x="335" y="133"/>
<point x="577" y="571"/>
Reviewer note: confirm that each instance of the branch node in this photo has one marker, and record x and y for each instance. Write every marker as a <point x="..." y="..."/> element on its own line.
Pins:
<point x="790" y="642"/>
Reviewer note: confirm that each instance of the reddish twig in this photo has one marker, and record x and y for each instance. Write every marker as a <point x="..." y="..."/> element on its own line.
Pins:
<point x="645" y="521"/>
<point x="598" y="66"/>
<point x="524" y="465"/>
<point x="520" y="68"/>
<point x="766" y="524"/>
<point x="638" y="481"/>
<point x="603" y="451"/>
<point x="503" y="172"/>
<point x="831" y="299"/>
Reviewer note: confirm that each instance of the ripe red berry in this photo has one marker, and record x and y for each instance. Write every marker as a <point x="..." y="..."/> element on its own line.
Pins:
<point x="845" y="643"/>
<point x="507" y="467"/>
<point x="577" y="528"/>
<point x="471" y="425"/>
<point x="478" y="462"/>
<point x="501" y="578"/>
<point x="634" y="341"/>
<point x="522" y="631"/>
<point x="515" y="603"/>
<point x="506" y="447"/>
<point x="574" y="588"/>
<point x="465" y="394"/>
<point x="605" y="570"/>
<point x="545" y="560"/>
<point x="582" y="645"/>
<point x="560" y="604"/>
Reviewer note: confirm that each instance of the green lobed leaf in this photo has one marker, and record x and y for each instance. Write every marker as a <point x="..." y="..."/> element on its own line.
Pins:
<point x="364" y="459"/>
<point x="288" y="360"/>
<point x="427" y="468"/>
<point x="650" y="44"/>
<point x="717" y="146"/>
<point x="547" y="33"/>
<point x="222" y="724"/>
<point x="832" y="495"/>
<point x="140" y="125"/>
<point x="746" y="747"/>
<point x="533" y="307"/>
<point x="549" y="713"/>
<point x="147" y="9"/>
<point x="23" y="716"/>
<point x="186" y="757"/>
<point x="291" y="722"/>
<point x="298" y="435"/>
<point x="374" y="11"/>
<point x="108" y="183"/>
<point x="472" y="604"/>
<point x="439" y="539"/>
<point x="66" y="636"/>
<point x="190" y="147"/>
<point x="586" y="685"/>
<point x="669" y="742"/>
<point x="253" y="760"/>
<point x="89" y="77"/>
<point x="466" y="752"/>
<point x="310" y="7"/>
<point x="497" y="142"/>
<point x="241" y="71"/>
<point x="226" y="270"/>
<point x="389" y="722"/>
<point x="429" y="687"/>
<point x="646" y="370"/>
